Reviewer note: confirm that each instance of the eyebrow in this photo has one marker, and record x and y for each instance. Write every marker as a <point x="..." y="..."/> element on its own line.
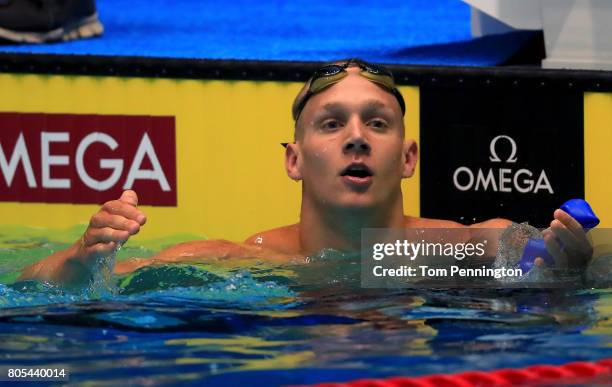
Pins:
<point x="369" y="106"/>
<point x="334" y="107"/>
<point x="372" y="106"/>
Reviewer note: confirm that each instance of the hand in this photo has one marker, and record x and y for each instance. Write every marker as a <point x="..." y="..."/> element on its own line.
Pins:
<point x="567" y="242"/>
<point x="116" y="221"/>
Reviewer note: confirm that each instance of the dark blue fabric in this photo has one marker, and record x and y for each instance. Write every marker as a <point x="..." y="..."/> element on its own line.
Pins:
<point x="389" y="31"/>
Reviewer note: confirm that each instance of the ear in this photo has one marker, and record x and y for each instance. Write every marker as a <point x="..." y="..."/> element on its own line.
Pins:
<point x="293" y="162"/>
<point x="411" y="155"/>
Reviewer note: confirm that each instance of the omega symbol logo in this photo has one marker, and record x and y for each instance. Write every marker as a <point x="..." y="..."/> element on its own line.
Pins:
<point x="494" y="157"/>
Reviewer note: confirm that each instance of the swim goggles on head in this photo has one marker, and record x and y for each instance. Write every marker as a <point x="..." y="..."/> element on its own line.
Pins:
<point x="330" y="74"/>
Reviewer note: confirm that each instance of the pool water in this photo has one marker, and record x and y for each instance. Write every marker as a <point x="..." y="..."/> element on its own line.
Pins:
<point x="261" y="325"/>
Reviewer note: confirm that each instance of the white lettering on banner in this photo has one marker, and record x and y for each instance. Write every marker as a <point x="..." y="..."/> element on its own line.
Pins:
<point x="481" y="180"/>
<point x="146" y="148"/>
<point x="523" y="189"/>
<point x="502" y="179"/>
<point x="9" y="163"/>
<point x="48" y="160"/>
<point x="115" y="164"/>
<point x="20" y="153"/>
<point x="470" y="176"/>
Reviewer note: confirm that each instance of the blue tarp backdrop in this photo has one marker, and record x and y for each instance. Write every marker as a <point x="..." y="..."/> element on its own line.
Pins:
<point x="390" y="31"/>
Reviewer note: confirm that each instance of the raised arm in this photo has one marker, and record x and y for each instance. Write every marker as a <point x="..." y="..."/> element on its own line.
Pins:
<point x="114" y="223"/>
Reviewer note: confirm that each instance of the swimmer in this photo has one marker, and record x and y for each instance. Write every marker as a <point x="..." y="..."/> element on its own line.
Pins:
<point x="349" y="152"/>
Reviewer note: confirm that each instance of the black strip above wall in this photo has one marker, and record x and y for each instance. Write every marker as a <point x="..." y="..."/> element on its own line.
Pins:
<point x="583" y="80"/>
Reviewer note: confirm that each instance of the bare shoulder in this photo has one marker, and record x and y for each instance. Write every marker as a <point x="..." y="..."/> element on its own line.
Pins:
<point x="285" y="239"/>
<point x="487" y="230"/>
<point x="493" y="223"/>
<point x="414" y="222"/>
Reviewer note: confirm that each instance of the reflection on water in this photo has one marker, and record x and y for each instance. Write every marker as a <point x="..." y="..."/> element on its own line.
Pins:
<point x="272" y="325"/>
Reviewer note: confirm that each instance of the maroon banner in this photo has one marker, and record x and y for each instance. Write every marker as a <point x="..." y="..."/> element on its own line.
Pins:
<point x="79" y="158"/>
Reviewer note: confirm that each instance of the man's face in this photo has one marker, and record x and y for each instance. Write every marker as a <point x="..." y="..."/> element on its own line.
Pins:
<point x="351" y="150"/>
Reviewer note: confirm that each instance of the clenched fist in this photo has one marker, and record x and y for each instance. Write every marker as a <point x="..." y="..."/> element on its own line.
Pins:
<point x="116" y="221"/>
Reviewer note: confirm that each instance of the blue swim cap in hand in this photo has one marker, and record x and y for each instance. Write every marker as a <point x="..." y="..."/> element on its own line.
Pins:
<point x="578" y="209"/>
<point x="535" y="248"/>
<point x="581" y="211"/>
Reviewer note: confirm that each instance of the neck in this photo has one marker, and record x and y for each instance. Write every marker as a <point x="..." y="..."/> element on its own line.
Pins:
<point x="340" y="228"/>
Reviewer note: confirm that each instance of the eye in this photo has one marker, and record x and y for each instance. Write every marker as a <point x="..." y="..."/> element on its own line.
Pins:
<point x="378" y="124"/>
<point x="330" y="124"/>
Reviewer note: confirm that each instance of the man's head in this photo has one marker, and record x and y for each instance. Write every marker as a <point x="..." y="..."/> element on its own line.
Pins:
<point x="349" y="146"/>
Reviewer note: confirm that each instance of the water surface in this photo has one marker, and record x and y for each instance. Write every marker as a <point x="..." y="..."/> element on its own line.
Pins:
<point x="269" y="325"/>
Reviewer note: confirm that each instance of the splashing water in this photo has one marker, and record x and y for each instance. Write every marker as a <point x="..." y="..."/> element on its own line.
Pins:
<point x="510" y="251"/>
<point x="102" y="284"/>
<point x="512" y="242"/>
<point x="184" y="283"/>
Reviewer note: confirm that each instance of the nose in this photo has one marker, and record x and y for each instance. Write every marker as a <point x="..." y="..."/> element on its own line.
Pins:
<point x="356" y="142"/>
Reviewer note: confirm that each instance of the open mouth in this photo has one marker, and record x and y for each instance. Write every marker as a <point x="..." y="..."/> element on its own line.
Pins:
<point x="360" y="171"/>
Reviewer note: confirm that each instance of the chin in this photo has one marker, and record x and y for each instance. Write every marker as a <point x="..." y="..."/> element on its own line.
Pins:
<point x="357" y="202"/>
